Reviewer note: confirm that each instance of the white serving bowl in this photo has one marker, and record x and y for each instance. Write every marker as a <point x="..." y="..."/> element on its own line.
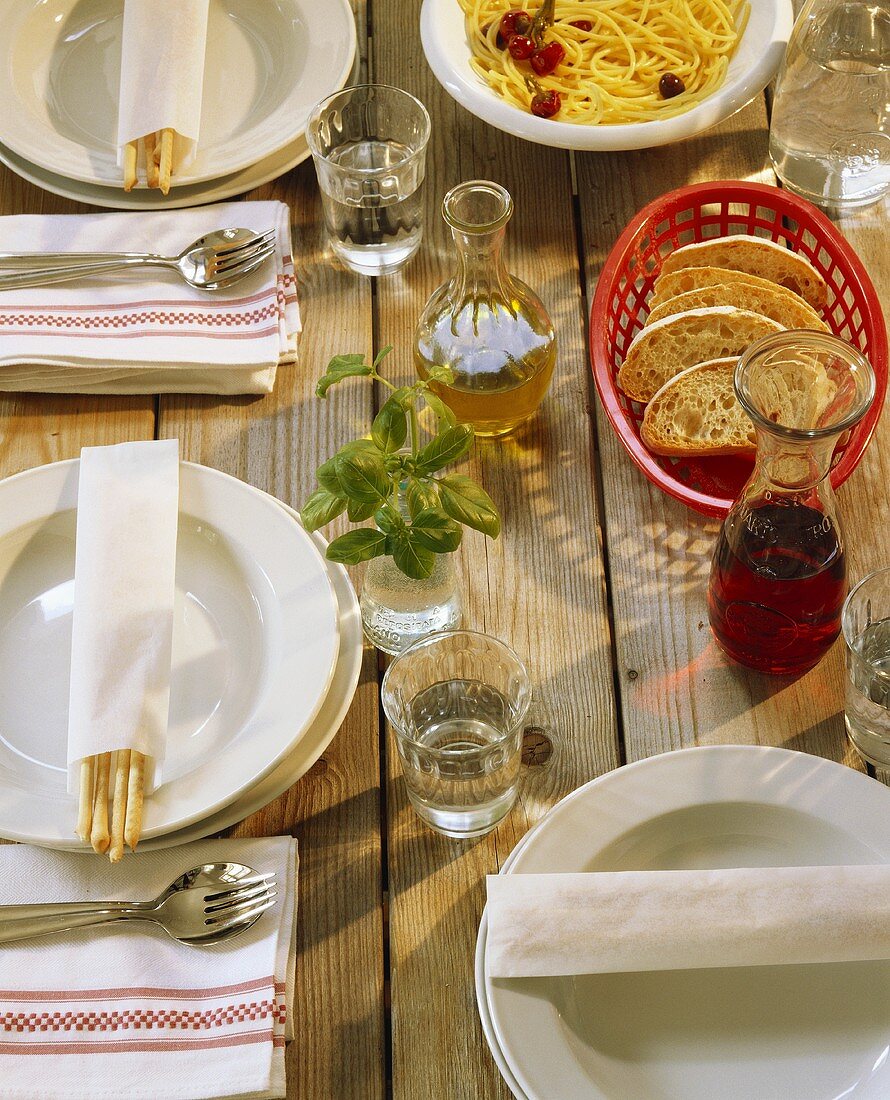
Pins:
<point x="752" y="67"/>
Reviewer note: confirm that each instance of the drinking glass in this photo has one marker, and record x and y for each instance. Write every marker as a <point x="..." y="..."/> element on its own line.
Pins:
<point x="369" y="148"/>
<point x="866" y="624"/>
<point x="456" y="702"/>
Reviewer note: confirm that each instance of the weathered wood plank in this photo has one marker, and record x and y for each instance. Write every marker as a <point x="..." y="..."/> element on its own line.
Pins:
<point x="540" y="587"/>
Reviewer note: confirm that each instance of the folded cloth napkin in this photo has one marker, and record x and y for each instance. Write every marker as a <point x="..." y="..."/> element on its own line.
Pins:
<point x="128" y="1012"/>
<point x="162" y="73"/>
<point x="124" y="584"/>
<point x="147" y="331"/>
<point x="603" y="922"/>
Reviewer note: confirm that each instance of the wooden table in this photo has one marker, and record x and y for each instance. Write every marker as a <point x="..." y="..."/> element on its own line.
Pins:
<point x="598" y="579"/>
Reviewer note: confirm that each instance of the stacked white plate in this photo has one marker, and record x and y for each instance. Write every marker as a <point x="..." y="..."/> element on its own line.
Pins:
<point x="268" y="63"/>
<point x="267" y="648"/>
<point x="745" y="1033"/>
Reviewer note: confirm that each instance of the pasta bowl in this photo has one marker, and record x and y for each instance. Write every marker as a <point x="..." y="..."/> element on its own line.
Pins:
<point x="753" y="65"/>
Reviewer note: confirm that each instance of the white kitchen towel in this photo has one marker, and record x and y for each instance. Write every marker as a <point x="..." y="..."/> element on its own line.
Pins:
<point x="147" y="331"/>
<point x="125" y="1011"/>
<point x="608" y="921"/>
<point x="124" y="586"/>
<point x="162" y="73"/>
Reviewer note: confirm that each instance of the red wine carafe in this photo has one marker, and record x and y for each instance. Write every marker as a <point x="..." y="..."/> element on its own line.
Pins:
<point x="778" y="576"/>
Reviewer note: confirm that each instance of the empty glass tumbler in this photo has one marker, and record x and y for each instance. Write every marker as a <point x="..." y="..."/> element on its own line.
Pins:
<point x="866" y="622"/>
<point x="456" y="702"/>
<point x="369" y="148"/>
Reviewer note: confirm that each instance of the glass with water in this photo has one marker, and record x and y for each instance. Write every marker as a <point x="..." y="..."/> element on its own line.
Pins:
<point x="866" y="624"/>
<point x="369" y="148"/>
<point x="457" y="702"/>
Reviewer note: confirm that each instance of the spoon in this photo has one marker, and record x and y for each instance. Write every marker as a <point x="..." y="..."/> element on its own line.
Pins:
<point x="212" y="262"/>
<point x="206" y="905"/>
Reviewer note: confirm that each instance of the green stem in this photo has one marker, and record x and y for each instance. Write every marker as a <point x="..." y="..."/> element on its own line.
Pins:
<point x="414" y="428"/>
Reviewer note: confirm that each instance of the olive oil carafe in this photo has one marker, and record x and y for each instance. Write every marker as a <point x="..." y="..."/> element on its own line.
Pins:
<point x="484" y="324"/>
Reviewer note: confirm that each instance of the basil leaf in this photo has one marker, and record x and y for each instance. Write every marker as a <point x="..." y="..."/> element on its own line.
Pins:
<point x="468" y="503"/>
<point x="444" y="449"/>
<point x="327" y="478"/>
<point x="381" y="355"/>
<point x="360" y="510"/>
<point x="363" y="476"/>
<point x="439" y="373"/>
<point x="356" y="546"/>
<point x="434" y="531"/>
<point x="414" y="560"/>
<point x="390" y="427"/>
<point x="321" y="508"/>
<point x="443" y="414"/>
<point x="340" y="367"/>
<point x="389" y="520"/>
<point x="420" y="495"/>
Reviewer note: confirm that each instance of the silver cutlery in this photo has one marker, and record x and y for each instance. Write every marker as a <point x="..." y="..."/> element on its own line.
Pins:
<point x="213" y="262"/>
<point x="205" y="905"/>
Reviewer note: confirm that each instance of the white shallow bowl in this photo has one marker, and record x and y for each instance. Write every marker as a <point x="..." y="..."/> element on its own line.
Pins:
<point x="255" y="645"/>
<point x="752" y="67"/>
<point x="268" y="62"/>
<point x="755" y="1033"/>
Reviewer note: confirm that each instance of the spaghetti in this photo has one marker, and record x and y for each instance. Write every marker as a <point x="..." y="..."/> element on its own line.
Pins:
<point x="613" y="54"/>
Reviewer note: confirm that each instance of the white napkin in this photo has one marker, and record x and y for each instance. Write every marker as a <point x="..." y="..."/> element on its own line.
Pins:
<point x="162" y="73"/>
<point x="124" y="584"/>
<point x="124" y="1010"/>
<point x="147" y="331"/>
<point x="603" y="922"/>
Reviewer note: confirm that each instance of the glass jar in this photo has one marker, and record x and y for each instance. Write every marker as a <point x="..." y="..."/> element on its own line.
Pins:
<point x="830" y="129"/>
<point x="778" y="576"/>
<point x="486" y="325"/>
<point x="398" y="610"/>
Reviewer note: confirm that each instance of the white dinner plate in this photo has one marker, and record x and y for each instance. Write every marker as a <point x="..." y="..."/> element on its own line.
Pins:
<point x="255" y="645"/>
<point x="195" y="194"/>
<point x="268" y="63"/>
<point x="752" y="66"/>
<point x="756" y="1033"/>
<point x="316" y="738"/>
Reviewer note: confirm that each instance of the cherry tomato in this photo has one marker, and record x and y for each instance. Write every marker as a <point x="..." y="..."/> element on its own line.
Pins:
<point x="582" y="24"/>
<point x="545" y="104"/>
<point x="671" y="85"/>
<point x="521" y="47"/>
<point x="545" y="60"/>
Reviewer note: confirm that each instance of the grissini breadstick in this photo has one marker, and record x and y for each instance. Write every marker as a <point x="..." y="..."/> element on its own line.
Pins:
<point x="119" y="805"/>
<point x="85" y="803"/>
<point x="129" y="165"/>
<point x="165" y="160"/>
<point x="135" y="791"/>
<point x="151" y="160"/>
<point x="99" y="832"/>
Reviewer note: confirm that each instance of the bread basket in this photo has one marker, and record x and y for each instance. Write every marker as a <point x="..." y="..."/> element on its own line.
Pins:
<point x="697" y="213"/>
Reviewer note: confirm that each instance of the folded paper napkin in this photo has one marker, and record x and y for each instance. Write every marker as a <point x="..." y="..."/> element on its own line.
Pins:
<point x="603" y="922"/>
<point x="128" y="1012"/>
<point x="146" y="331"/>
<point x="124" y="584"/>
<point x="162" y="72"/>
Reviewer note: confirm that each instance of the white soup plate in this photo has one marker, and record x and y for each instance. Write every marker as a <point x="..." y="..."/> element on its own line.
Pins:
<point x="268" y="62"/>
<point x="747" y="1033"/>
<point x="255" y="646"/>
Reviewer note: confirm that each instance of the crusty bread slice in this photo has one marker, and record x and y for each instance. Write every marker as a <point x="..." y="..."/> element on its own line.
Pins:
<point x="697" y="413"/>
<point x="757" y="256"/>
<point x="696" y="278"/>
<point x="769" y="299"/>
<point x="665" y="348"/>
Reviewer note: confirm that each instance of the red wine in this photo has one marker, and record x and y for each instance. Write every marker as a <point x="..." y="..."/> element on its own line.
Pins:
<point x="778" y="581"/>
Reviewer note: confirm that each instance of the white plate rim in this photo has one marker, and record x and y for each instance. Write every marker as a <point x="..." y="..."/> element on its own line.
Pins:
<point x="761" y="757"/>
<point x="23" y="143"/>
<point x="60" y="472"/>
<point x="225" y="187"/>
<point x="316" y="739"/>
<point x="770" y="20"/>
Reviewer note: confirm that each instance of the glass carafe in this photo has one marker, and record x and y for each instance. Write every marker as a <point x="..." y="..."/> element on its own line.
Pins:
<point x="830" y="127"/>
<point x="486" y="325"/>
<point x="778" y="576"/>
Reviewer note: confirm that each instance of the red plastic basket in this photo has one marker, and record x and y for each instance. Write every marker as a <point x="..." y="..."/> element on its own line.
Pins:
<point x="696" y="213"/>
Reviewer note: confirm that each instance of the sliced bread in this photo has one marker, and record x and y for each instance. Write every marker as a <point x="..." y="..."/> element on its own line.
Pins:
<point x="770" y="299"/>
<point x="757" y="256"/>
<point x="665" y="348"/>
<point x="697" y="413"/>
<point x="696" y="278"/>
